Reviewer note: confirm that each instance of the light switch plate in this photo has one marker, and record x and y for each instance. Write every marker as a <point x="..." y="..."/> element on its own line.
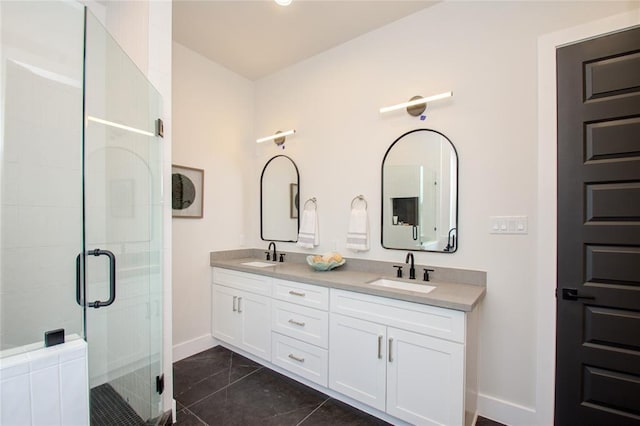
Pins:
<point x="508" y="225"/>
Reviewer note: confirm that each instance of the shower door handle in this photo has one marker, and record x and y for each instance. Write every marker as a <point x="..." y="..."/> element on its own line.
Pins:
<point x="78" y="295"/>
<point x="112" y="278"/>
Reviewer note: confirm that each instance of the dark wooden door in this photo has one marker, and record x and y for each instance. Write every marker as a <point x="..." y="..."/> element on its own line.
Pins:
<point x="598" y="287"/>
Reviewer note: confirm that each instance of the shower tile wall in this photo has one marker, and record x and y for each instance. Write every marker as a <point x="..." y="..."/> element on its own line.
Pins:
<point x="45" y="386"/>
<point x="41" y="176"/>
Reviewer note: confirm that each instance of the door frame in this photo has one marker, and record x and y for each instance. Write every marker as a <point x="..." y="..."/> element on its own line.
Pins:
<point x="546" y="242"/>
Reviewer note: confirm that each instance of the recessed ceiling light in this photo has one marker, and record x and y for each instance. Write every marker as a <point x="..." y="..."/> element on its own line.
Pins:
<point x="284" y="2"/>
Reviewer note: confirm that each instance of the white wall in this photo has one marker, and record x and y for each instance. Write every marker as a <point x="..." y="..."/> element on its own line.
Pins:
<point x="487" y="54"/>
<point x="213" y="115"/>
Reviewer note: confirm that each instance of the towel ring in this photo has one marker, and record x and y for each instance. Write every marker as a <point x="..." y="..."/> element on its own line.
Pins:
<point x="310" y="200"/>
<point x="361" y="198"/>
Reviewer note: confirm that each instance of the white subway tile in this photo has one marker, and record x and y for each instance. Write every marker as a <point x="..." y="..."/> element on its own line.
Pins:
<point x="74" y="391"/>
<point x="15" y="401"/>
<point x="45" y="395"/>
<point x="43" y="358"/>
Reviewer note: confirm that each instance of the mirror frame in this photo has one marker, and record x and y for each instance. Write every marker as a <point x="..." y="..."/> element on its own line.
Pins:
<point x="382" y="192"/>
<point x="261" y="196"/>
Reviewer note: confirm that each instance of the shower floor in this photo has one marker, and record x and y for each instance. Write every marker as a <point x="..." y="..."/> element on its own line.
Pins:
<point x="108" y="408"/>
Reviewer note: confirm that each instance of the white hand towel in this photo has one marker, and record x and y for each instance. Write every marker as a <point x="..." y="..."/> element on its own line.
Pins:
<point x="358" y="232"/>
<point x="308" y="233"/>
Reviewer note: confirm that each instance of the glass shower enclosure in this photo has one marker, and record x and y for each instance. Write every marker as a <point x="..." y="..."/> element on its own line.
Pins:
<point x="81" y="203"/>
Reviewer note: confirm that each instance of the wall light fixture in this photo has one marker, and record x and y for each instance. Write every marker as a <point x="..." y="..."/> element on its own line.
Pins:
<point x="278" y="137"/>
<point x="417" y="104"/>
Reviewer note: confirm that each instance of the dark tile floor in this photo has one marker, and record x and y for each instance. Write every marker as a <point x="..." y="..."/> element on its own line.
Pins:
<point x="220" y="387"/>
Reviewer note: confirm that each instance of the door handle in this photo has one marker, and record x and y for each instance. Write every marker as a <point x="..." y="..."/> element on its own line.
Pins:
<point x="239" y="304"/>
<point x="380" y="347"/>
<point x="78" y="280"/>
<point x="390" y="348"/>
<point x="112" y="278"/>
<point x="572" y="294"/>
<point x="296" y="358"/>
<point x="235" y="298"/>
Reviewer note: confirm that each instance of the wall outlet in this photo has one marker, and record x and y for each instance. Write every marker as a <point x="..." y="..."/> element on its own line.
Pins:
<point x="508" y="225"/>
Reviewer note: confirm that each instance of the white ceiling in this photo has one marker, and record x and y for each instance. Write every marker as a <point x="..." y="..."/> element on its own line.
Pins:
<point x="257" y="38"/>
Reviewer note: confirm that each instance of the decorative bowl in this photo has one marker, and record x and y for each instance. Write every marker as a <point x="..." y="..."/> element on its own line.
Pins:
<point x="322" y="265"/>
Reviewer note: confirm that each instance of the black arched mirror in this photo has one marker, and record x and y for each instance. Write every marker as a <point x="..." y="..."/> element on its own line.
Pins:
<point x="279" y="200"/>
<point x="420" y="193"/>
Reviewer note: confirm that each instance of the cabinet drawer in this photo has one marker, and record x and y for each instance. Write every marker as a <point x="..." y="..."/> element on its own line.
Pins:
<point x="303" y="359"/>
<point x="303" y="294"/>
<point x="306" y="324"/>
<point x="243" y="281"/>
<point x="431" y="320"/>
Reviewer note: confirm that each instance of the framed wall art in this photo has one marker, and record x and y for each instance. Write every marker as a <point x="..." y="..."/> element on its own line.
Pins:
<point x="187" y="192"/>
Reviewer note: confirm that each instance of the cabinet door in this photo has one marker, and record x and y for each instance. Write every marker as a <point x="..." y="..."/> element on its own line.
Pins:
<point x="225" y="318"/>
<point x="425" y="379"/>
<point x="357" y="359"/>
<point x="255" y="311"/>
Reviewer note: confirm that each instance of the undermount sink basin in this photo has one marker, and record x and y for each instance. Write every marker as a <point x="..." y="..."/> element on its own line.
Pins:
<point x="259" y="264"/>
<point x="402" y="285"/>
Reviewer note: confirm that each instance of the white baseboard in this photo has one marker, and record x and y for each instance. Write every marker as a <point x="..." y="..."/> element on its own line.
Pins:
<point x="505" y="412"/>
<point x="191" y="347"/>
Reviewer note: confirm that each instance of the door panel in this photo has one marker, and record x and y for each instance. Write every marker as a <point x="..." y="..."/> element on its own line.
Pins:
<point x="598" y="324"/>
<point x="357" y="353"/>
<point x="122" y="215"/>
<point x="255" y="312"/>
<point x="226" y="321"/>
<point x="425" y="379"/>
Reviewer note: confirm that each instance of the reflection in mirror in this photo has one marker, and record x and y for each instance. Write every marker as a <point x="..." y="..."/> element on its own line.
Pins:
<point x="279" y="187"/>
<point x="420" y="193"/>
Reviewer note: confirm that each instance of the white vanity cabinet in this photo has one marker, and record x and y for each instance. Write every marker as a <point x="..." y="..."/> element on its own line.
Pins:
<point x="403" y="358"/>
<point x="408" y="361"/>
<point x="300" y="329"/>
<point x="241" y="316"/>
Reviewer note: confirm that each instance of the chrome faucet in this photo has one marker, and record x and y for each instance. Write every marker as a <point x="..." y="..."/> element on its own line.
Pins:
<point x="412" y="269"/>
<point x="275" y="258"/>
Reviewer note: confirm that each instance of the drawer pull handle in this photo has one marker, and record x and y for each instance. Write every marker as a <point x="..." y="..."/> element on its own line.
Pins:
<point x="295" y="358"/>
<point x="296" y="293"/>
<point x="380" y="347"/>
<point x="235" y="298"/>
<point x="239" y="305"/>
<point x="298" y="323"/>
<point x="390" y="348"/>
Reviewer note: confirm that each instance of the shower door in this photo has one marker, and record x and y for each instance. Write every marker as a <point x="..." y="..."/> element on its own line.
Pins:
<point x="122" y="233"/>
<point x="80" y="203"/>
